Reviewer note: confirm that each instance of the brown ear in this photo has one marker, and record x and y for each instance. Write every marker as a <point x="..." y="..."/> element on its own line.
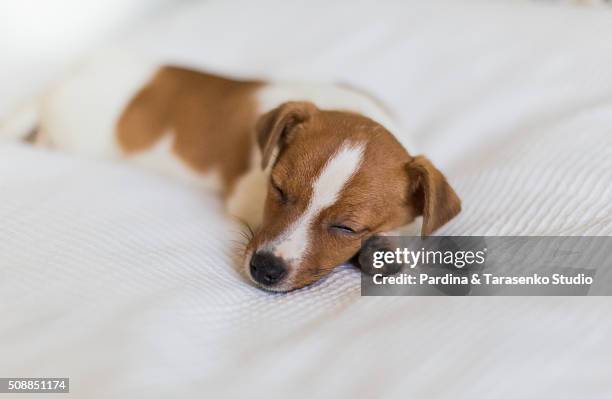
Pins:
<point x="433" y="197"/>
<point x="273" y="128"/>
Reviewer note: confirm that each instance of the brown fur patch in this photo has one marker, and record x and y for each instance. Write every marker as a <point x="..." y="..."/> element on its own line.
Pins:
<point x="210" y="117"/>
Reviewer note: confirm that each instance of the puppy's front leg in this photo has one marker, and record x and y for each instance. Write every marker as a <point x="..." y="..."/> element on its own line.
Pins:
<point x="365" y="257"/>
<point x="383" y="242"/>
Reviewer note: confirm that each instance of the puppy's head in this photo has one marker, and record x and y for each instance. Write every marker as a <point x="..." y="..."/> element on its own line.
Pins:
<point x="336" y="178"/>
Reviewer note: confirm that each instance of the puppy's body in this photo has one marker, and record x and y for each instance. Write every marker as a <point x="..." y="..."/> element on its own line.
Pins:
<point x="314" y="168"/>
<point x="186" y="124"/>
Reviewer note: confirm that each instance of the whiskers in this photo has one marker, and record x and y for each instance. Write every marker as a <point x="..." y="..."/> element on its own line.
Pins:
<point x="240" y="244"/>
<point x="249" y="233"/>
<point x="246" y="235"/>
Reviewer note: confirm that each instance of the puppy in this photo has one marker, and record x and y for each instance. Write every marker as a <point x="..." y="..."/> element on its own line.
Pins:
<point x="314" y="169"/>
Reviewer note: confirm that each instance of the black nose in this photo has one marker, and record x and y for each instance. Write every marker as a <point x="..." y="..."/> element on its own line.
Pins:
<point x="266" y="268"/>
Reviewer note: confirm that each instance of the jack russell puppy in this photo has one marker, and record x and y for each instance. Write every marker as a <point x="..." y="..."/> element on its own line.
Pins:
<point x="314" y="169"/>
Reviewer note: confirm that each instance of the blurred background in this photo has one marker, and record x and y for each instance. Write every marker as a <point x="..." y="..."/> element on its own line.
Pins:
<point x="40" y="39"/>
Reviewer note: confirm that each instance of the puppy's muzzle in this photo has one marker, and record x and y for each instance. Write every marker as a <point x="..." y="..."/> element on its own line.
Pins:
<point x="267" y="269"/>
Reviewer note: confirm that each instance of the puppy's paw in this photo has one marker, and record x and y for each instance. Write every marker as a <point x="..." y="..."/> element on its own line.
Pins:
<point x="365" y="257"/>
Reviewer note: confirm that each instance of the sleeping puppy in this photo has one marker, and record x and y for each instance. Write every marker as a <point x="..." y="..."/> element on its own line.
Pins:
<point x="314" y="169"/>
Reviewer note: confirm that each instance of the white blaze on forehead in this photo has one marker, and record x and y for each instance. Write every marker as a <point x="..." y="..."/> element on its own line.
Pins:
<point x="294" y="242"/>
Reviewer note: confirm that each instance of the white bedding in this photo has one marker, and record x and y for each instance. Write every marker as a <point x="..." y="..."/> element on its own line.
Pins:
<point x="123" y="281"/>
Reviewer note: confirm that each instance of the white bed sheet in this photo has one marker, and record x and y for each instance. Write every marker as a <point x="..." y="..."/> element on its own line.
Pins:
<point x="123" y="281"/>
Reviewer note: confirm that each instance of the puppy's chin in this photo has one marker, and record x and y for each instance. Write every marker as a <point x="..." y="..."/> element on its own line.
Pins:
<point x="280" y="289"/>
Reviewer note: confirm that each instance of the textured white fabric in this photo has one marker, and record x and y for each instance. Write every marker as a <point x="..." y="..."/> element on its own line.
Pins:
<point x="124" y="281"/>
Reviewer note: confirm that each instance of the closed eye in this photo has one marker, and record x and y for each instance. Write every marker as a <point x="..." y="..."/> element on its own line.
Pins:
<point x="340" y="228"/>
<point x="282" y="196"/>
